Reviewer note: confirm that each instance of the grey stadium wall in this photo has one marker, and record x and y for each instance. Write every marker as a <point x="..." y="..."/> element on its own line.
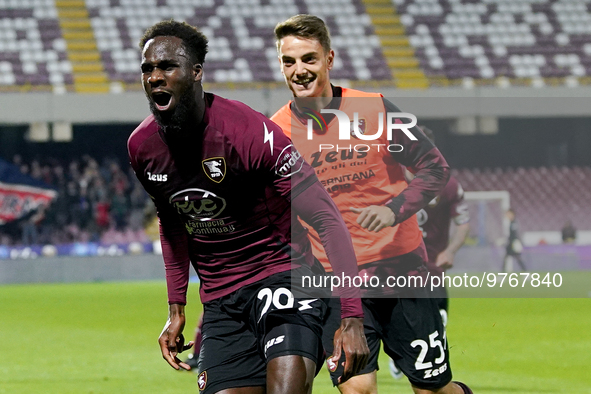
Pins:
<point x="19" y="108"/>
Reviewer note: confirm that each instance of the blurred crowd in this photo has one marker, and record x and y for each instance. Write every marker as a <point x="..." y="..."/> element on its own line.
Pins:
<point x="97" y="202"/>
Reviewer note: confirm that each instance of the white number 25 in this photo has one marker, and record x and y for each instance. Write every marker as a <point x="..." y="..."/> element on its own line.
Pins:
<point x="420" y="363"/>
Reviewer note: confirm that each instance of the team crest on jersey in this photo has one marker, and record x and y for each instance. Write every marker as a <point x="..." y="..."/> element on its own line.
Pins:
<point x="215" y="168"/>
<point x="362" y="123"/>
<point x="332" y="366"/>
<point x="202" y="380"/>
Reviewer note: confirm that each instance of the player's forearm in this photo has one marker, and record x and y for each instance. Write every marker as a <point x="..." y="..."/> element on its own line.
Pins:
<point x="458" y="238"/>
<point x="429" y="181"/>
<point x="176" y="263"/>
<point x="177" y="282"/>
<point x="176" y="310"/>
<point x="316" y="208"/>
<point x="424" y="160"/>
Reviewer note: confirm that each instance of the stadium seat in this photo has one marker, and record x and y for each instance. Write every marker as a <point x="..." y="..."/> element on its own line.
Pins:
<point x="240" y="33"/>
<point x="451" y="39"/>
<point x="543" y="198"/>
<point x="32" y="52"/>
<point x="490" y="39"/>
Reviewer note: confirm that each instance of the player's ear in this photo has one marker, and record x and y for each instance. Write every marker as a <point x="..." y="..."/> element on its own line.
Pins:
<point x="330" y="60"/>
<point x="281" y="65"/>
<point x="197" y="72"/>
<point x="279" y="58"/>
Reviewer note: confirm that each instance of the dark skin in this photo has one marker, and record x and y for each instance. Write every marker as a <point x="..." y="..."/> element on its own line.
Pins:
<point x="167" y="75"/>
<point x="168" y="71"/>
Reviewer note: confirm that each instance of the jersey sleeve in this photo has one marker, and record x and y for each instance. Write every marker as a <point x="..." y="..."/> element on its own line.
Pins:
<point x="175" y="252"/>
<point x="173" y="238"/>
<point x="423" y="159"/>
<point x="316" y="208"/>
<point x="270" y="151"/>
<point x="296" y="180"/>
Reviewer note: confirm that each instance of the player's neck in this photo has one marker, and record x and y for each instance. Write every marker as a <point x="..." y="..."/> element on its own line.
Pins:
<point x="316" y="103"/>
<point x="199" y="106"/>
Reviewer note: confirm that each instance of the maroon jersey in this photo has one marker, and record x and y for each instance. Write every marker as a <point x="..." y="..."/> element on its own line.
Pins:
<point x="435" y="219"/>
<point x="223" y="192"/>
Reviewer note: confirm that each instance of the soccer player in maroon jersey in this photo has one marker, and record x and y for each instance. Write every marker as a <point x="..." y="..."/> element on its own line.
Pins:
<point x="228" y="187"/>
<point x="375" y="207"/>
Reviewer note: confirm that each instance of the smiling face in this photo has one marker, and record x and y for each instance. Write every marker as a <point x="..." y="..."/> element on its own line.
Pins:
<point x="170" y="80"/>
<point x="305" y="66"/>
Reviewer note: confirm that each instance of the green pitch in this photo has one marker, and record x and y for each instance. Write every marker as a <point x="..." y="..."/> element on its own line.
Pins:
<point x="102" y="338"/>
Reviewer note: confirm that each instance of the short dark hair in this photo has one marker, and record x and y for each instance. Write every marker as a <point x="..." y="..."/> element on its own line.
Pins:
<point x="305" y="26"/>
<point x="194" y="41"/>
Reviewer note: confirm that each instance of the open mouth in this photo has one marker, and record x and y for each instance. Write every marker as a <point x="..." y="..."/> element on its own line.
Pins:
<point x="304" y="81"/>
<point x="162" y="100"/>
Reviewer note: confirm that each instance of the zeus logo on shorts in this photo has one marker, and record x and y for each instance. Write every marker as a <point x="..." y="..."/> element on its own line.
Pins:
<point x="197" y="204"/>
<point x="274" y="341"/>
<point x="431" y="373"/>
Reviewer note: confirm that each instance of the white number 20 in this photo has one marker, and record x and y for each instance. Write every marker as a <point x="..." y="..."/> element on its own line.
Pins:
<point x="275" y="297"/>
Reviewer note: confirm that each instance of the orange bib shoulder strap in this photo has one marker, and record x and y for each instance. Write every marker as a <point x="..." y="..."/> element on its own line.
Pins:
<point x="358" y="93"/>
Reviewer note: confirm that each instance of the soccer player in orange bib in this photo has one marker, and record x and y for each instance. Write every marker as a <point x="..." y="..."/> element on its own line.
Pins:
<point x="363" y="171"/>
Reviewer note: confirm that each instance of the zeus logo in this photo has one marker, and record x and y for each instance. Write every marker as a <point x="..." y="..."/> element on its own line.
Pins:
<point x="345" y="124"/>
<point x="157" y="177"/>
<point x="268" y="138"/>
<point x="274" y="341"/>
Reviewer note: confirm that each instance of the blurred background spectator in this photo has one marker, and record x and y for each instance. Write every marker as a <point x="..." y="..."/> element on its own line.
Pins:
<point x="97" y="202"/>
